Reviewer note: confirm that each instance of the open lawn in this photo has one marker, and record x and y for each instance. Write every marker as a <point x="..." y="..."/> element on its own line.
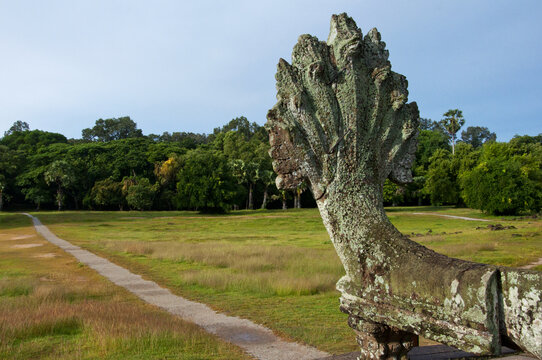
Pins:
<point x="277" y="268"/>
<point x="51" y="307"/>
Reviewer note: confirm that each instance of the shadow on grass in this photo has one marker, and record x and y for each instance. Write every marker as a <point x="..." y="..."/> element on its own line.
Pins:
<point x="53" y="327"/>
<point x="14" y="220"/>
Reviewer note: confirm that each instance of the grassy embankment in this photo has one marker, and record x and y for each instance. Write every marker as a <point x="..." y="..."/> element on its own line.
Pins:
<point x="276" y="268"/>
<point x="51" y="307"/>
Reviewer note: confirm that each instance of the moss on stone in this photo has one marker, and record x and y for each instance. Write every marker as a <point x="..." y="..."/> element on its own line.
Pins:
<point x="342" y="123"/>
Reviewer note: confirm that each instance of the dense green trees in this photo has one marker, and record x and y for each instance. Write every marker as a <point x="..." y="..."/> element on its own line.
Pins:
<point x="247" y="173"/>
<point x="60" y="174"/>
<point x="107" y="194"/>
<point x="18" y="126"/>
<point x="442" y="178"/>
<point x="428" y="142"/>
<point x="477" y="135"/>
<point x="498" y="178"/>
<point x="268" y="178"/>
<point x="245" y="146"/>
<point x="186" y="140"/>
<point x="31" y="140"/>
<point x="205" y="182"/>
<point x="473" y="173"/>
<point x="506" y="180"/>
<point x="9" y="163"/>
<point x="116" y="167"/>
<point x="393" y="194"/>
<point x="441" y="184"/>
<point x="112" y="129"/>
<point x="139" y="193"/>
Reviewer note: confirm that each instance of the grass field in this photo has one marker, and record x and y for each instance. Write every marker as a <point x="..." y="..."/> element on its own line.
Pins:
<point x="277" y="268"/>
<point x="53" y="308"/>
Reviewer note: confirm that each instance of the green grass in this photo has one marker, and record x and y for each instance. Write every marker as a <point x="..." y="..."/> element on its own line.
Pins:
<point x="10" y="286"/>
<point x="277" y="268"/>
<point x="52" y="308"/>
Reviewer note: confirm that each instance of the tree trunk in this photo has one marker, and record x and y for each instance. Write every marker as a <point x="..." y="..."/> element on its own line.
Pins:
<point x="299" y="200"/>
<point x="38" y="206"/>
<point x="59" y="198"/>
<point x="1" y="200"/>
<point x="264" y="202"/>
<point x="250" y="200"/>
<point x="284" y="207"/>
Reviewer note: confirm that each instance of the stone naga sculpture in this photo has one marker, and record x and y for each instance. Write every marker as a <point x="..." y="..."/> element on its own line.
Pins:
<point x="343" y="124"/>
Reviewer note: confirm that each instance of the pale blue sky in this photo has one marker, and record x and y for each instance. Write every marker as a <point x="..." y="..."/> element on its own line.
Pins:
<point x="193" y="66"/>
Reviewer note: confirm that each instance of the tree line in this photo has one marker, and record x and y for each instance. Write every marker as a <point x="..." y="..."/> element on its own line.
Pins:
<point x="114" y="166"/>
<point x="500" y="178"/>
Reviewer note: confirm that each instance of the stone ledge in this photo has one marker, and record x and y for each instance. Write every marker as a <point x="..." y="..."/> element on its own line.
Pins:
<point x="441" y="352"/>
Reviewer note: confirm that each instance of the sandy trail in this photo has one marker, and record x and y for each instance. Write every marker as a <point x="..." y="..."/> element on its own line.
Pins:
<point x="449" y="216"/>
<point x="25" y="246"/>
<point x="14" y="238"/>
<point x="255" y="339"/>
<point x="532" y="265"/>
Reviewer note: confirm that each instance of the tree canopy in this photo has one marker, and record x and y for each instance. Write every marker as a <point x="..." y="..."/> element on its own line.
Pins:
<point x="112" y="129"/>
<point x="477" y="136"/>
<point x="506" y="180"/>
<point x="205" y="182"/>
<point x="18" y="126"/>
<point x="117" y="168"/>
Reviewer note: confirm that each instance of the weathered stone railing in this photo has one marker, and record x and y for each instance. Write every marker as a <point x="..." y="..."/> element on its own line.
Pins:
<point x="342" y="123"/>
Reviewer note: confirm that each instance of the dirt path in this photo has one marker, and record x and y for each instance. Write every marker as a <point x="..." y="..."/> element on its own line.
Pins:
<point x="532" y="265"/>
<point x="255" y="339"/>
<point x="449" y="216"/>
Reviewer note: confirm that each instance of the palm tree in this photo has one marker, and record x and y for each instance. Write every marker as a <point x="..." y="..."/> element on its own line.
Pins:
<point x="60" y="172"/>
<point x="452" y="122"/>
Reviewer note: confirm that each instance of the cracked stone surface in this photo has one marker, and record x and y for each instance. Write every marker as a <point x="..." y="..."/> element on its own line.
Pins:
<point x="343" y="124"/>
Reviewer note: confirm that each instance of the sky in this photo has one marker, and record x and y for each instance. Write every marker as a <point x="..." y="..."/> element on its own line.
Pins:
<point x="195" y="65"/>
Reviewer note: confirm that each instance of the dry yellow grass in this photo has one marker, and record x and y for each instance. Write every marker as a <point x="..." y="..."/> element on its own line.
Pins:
<point x="275" y="270"/>
<point x="274" y="267"/>
<point x="54" y="308"/>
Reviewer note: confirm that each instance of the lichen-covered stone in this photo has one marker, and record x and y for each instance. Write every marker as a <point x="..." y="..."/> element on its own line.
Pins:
<point x="521" y="309"/>
<point x="342" y="122"/>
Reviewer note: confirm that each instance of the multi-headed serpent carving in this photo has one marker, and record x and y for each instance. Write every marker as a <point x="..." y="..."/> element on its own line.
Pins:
<point x="342" y="123"/>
